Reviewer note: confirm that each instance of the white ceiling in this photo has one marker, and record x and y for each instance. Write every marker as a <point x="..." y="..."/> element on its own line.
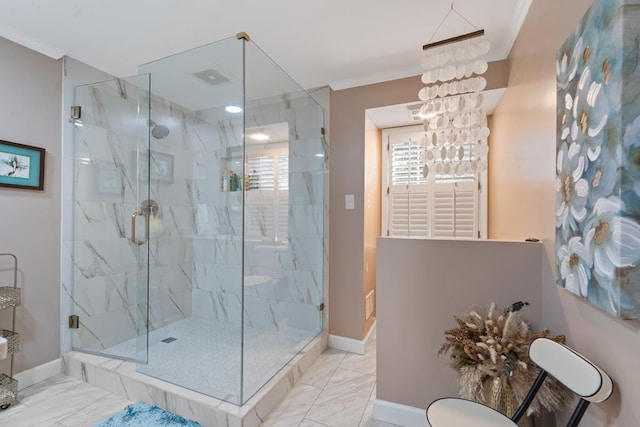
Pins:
<point x="341" y="43"/>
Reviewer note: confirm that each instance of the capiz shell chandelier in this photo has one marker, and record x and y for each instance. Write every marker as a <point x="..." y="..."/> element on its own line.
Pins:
<point x="455" y="125"/>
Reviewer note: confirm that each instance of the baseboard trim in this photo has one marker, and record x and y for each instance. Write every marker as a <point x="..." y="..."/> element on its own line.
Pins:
<point x="371" y="329"/>
<point x="346" y="344"/>
<point x="398" y="414"/>
<point x="39" y="373"/>
<point x="349" y="344"/>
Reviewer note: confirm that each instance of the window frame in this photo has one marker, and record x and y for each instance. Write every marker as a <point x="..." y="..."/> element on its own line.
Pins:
<point x="417" y="132"/>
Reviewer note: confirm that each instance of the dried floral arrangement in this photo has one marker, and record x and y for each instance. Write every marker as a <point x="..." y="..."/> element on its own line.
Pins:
<point x="490" y="346"/>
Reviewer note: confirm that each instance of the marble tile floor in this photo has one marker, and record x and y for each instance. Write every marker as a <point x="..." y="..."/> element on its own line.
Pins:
<point x="337" y="391"/>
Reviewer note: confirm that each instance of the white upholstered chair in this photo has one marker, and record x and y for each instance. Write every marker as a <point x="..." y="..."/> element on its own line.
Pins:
<point x="578" y="374"/>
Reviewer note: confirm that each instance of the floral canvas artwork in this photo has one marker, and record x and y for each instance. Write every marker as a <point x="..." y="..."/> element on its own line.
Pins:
<point x="598" y="159"/>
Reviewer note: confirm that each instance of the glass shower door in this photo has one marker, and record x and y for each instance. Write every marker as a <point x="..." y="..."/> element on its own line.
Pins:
<point x="111" y="131"/>
<point x="195" y="259"/>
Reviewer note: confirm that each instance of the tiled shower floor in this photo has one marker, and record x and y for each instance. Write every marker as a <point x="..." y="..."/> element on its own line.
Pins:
<point x="206" y="356"/>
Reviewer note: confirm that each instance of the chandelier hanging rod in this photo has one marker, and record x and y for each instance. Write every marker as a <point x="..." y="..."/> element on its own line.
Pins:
<point x="455" y="39"/>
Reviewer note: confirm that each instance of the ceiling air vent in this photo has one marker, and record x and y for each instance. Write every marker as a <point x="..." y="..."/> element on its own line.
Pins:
<point x="414" y="111"/>
<point x="211" y="77"/>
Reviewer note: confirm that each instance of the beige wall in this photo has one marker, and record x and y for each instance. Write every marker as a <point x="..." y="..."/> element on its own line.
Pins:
<point x="30" y="113"/>
<point x="522" y="203"/>
<point x="372" y="161"/>
<point x="422" y="284"/>
<point x="347" y="175"/>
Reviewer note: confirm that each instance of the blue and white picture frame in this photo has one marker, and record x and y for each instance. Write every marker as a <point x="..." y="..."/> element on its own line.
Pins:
<point x="597" y="215"/>
<point x="21" y="166"/>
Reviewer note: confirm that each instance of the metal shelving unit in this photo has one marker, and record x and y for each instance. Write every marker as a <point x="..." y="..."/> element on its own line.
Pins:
<point x="10" y="297"/>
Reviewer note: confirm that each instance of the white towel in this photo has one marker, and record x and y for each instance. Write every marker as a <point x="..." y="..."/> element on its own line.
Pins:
<point x="4" y="347"/>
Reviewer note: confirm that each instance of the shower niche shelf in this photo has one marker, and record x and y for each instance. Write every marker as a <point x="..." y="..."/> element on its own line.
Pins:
<point x="10" y="298"/>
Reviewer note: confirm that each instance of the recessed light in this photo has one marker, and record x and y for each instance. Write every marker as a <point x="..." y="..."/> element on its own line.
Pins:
<point x="233" y="109"/>
<point x="259" y="136"/>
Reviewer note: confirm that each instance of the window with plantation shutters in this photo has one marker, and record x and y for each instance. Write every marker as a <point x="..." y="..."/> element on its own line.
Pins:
<point x="409" y="206"/>
<point x="455" y="210"/>
<point x="406" y="165"/>
<point x="261" y="172"/>
<point x="267" y="194"/>
<point x="421" y="205"/>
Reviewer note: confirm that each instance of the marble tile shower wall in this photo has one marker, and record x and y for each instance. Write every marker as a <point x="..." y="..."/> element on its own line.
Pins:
<point x="195" y="247"/>
<point x="217" y="231"/>
<point x="298" y="267"/>
<point x="290" y="298"/>
<point x="106" y="265"/>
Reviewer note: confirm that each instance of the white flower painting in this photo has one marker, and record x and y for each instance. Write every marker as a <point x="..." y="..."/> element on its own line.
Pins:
<point x="575" y="266"/>
<point x="598" y="159"/>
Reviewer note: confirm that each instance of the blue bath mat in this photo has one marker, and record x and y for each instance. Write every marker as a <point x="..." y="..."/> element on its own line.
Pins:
<point x="143" y="415"/>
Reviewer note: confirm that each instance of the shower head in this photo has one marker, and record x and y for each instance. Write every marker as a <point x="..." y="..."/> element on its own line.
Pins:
<point x="158" y="131"/>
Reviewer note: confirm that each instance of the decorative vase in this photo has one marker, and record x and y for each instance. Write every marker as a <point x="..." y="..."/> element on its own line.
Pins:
<point x="498" y="394"/>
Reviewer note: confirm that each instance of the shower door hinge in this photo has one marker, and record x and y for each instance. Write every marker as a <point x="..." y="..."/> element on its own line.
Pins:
<point x="74" y="321"/>
<point x="76" y="112"/>
<point x="321" y="307"/>
<point x="322" y="131"/>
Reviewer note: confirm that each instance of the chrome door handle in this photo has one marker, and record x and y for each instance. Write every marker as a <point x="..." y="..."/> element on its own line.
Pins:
<point x="133" y="228"/>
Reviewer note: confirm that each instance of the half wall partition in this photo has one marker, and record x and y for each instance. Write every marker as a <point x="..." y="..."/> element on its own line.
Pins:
<point x="210" y="254"/>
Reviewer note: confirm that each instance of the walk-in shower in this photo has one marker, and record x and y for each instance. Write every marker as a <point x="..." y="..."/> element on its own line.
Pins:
<point x="198" y="234"/>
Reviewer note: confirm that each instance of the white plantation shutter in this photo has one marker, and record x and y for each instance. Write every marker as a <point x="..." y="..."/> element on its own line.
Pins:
<point x="455" y="210"/>
<point x="409" y="211"/>
<point x="406" y="164"/>
<point x="408" y="190"/>
<point x="267" y="196"/>
<point x="261" y="171"/>
<point x="282" y="214"/>
<point x="446" y="207"/>
<point x="419" y="212"/>
<point x="283" y="172"/>
<point x="466" y="211"/>
<point x="443" y="211"/>
<point x="399" y="218"/>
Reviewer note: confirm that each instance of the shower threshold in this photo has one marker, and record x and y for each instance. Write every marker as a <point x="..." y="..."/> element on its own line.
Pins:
<point x="120" y="377"/>
<point x="204" y="356"/>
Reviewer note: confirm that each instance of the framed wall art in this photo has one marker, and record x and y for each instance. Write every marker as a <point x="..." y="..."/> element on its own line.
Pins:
<point x="21" y="166"/>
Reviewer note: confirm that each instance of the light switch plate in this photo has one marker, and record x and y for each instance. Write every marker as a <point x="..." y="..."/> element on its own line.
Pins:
<point x="349" y="202"/>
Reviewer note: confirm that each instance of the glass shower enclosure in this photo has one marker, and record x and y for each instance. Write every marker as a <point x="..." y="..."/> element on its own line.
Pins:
<point x="199" y="215"/>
